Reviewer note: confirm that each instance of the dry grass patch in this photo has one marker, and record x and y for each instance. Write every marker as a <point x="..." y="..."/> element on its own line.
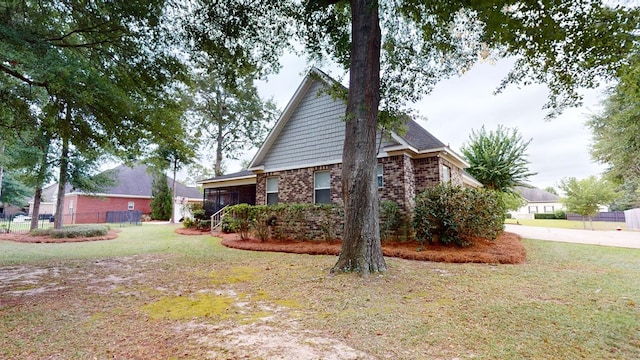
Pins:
<point x="189" y="297"/>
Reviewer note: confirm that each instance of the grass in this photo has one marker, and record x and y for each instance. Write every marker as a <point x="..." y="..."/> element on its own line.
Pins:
<point x="155" y="294"/>
<point x="566" y="224"/>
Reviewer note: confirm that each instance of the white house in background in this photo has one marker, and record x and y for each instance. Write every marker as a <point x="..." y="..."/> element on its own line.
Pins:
<point x="538" y="202"/>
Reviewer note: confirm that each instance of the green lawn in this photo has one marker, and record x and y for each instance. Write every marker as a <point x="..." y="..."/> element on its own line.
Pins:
<point x="566" y="224"/>
<point x="154" y="294"/>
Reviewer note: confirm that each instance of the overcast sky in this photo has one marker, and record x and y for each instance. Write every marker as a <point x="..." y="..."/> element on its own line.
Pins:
<point x="559" y="148"/>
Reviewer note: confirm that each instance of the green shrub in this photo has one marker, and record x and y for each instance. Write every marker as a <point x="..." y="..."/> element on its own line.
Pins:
<point x="76" y="231"/>
<point x="41" y="232"/>
<point x="228" y="224"/>
<point x="560" y="214"/>
<point x="545" y="216"/>
<point x="198" y="214"/>
<point x="456" y="215"/>
<point x="285" y="221"/>
<point x="204" y="224"/>
<point x="327" y="220"/>
<point x="241" y="217"/>
<point x="260" y="220"/>
<point x="390" y="219"/>
<point x="188" y="223"/>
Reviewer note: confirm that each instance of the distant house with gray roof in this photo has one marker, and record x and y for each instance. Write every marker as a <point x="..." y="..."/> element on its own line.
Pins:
<point x="538" y="201"/>
<point x="300" y="160"/>
<point x="131" y="190"/>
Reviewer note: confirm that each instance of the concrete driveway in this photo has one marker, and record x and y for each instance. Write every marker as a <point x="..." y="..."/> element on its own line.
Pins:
<point x="624" y="238"/>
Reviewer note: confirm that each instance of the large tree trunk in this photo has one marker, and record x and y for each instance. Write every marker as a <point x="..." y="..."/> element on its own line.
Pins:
<point x="37" y="198"/>
<point x="64" y="167"/>
<point x="172" y="219"/>
<point x="361" y="251"/>
<point x="220" y="135"/>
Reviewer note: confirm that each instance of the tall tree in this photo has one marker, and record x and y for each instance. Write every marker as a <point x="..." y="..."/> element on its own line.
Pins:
<point x="564" y="44"/>
<point x="14" y="192"/>
<point x="229" y="116"/>
<point x="616" y="129"/>
<point x="161" y="202"/>
<point x="584" y="197"/>
<point x="498" y="159"/>
<point x="104" y="67"/>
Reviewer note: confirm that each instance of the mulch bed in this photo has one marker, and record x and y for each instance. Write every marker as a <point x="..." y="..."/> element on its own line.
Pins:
<point x="506" y="249"/>
<point x="27" y="238"/>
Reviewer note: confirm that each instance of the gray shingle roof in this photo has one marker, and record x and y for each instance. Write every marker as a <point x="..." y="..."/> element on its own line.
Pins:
<point x="129" y="181"/>
<point x="536" y="195"/>
<point x="239" y="174"/>
<point x="420" y="138"/>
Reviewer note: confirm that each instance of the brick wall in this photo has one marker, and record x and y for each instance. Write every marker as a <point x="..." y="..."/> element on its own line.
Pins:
<point x="427" y="173"/>
<point x="296" y="186"/>
<point x="403" y="179"/>
<point x="93" y="209"/>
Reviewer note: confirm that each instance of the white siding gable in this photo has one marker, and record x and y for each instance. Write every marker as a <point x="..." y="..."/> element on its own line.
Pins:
<point x="313" y="135"/>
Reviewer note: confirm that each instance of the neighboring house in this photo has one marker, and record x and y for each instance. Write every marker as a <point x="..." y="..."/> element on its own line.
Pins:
<point x="131" y="191"/>
<point x="537" y="202"/>
<point x="300" y="160"/>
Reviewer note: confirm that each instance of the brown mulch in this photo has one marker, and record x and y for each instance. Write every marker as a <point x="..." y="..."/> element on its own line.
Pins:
<point x="506" y="249"/>
<point x="188" y="231"/>
<point x="27" y="238"/>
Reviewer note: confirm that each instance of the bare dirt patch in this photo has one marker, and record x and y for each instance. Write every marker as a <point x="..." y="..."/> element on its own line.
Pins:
<point x="506" y="249"/>
<point x="27" y="238"/>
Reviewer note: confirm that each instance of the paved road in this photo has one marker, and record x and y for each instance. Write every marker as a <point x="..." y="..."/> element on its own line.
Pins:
<point x="625" y="238"/>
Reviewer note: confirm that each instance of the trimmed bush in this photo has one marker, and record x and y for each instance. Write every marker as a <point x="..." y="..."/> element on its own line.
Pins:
<point x="456" y="215"/>
<point x="543" y="216"/>
<point x="73" y="231"/>
<point x="285" y="221"/>
<point x="561" y="214"/>
<point x="390" y="219"/>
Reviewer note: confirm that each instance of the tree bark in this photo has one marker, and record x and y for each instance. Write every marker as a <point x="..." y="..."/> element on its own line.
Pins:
<point x="64" y="167"/>
<point x="361" y="250"/>
<point x="172" y="219"/>
<point x="37" y="198"/>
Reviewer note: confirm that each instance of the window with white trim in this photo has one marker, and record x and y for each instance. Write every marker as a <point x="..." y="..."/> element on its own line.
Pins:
<point x="446" y="174"/>
<point x="272" y="190"/>
<point x="130" y="206"/>
<point x="533" y="209"/>
<point x="322" y="187"/>
<point x="548" y="209"/>
<point x="380" y="176"/>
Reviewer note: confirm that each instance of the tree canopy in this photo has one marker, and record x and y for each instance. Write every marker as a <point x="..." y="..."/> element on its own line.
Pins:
<point x="616" y="129"/>
<point x="396" y="51"/>
<point x="584" y="197"/>
<point x="498" y="158"/>
<point x="229" y="117"/>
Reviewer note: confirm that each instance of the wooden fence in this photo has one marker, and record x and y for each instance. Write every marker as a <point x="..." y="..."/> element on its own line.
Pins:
<point x="612" y="216"/>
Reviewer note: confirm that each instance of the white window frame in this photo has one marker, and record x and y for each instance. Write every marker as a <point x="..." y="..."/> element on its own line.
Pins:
<point x="272" y="191"/>
<point x="130" y="205"/>
<point x="546" y="207"/>
<point x="446" y="173"/>
<point x="317" y="187"/>
<point x="380" y="176"/>
<point x="533" y="207"/>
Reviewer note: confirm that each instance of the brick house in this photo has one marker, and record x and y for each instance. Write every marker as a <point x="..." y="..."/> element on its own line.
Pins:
<point x="300" y="160"/>
<point x="131" y="192"/>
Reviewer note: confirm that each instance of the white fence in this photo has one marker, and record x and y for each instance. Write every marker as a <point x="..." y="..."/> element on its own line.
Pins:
<point x="632" y="219"/>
